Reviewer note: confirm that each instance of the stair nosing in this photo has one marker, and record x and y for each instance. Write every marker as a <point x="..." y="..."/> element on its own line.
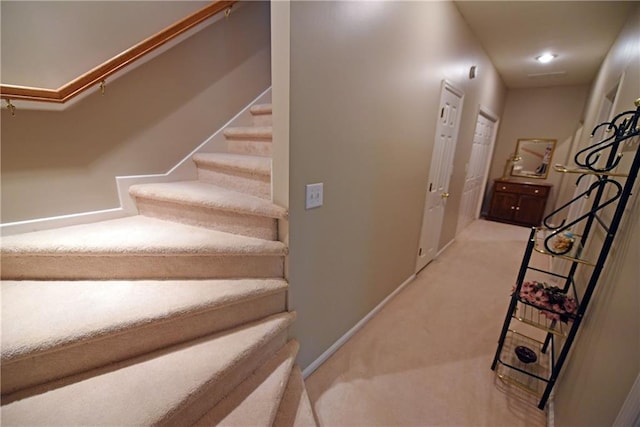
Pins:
<point x="302" y="400"/>
<point x="271" y="210"/>
<point x="23" y="352"/>
<point x="237" y="246"/>
<point x="220" y="163"/>
<point x="286" y="357"/>
<point x="102" y="378"/>
<point x="260" y="133"/>
<point x="143" y="254"/>
<point x="261" y="109"/>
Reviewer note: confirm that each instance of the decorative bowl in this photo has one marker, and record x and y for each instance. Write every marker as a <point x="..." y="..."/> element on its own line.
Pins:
<point x="525" y="354"/>
<point x="563" y="243"/>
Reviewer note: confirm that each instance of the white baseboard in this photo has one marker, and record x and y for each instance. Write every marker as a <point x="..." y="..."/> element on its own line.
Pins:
<point x="551" y="415"/>
<point x="444" y="248"/>
<point x="20" y="227"/>
<point x="183" y="170"/>
<point x="351" y="332"/>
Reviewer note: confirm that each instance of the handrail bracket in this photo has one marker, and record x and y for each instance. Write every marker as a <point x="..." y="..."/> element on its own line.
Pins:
<point x="11" y="107"/>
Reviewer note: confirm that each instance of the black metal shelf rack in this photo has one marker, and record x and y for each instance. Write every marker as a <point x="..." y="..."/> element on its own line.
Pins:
<point x="541" y="323"/>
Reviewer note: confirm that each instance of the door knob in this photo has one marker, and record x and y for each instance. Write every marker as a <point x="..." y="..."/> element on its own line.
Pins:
<point x="445" y="195"/>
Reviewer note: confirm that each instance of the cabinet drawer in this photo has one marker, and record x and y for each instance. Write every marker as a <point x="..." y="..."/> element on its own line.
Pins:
<point x="534" y="190"/>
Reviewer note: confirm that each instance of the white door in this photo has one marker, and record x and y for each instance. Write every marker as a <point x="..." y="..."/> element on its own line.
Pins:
<point x="477" y="168"/>
<point x="439" y="173"/>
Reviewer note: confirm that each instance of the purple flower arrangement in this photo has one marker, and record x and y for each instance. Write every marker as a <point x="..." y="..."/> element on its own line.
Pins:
<point x="553" y="303"/>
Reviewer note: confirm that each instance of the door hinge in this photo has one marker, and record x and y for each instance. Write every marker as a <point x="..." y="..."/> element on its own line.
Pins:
<point x="420" y="252"/>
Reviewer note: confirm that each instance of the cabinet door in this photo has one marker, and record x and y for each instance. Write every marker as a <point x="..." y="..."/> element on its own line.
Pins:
<point x="504" y="205"/>
<point x="530" y="210"/>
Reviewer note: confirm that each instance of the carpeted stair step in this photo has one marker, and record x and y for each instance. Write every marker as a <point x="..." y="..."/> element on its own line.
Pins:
<point x="246" y="174"/>
<point x="56" y="329"/>
<point x="206" y="205"/>
<point x="261" y="115"/>
<point x="176" y="386"/>
<point x="138" y="247"/>
<point x="254" y="140"/>
<point x="255" y="401"/>
<point x="295" y="409"/>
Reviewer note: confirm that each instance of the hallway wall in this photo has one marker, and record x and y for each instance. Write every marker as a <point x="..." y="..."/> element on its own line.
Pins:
<point x="604" y="362"/>
<point x="47" y="44"/>
<point x="364" y="92"/>
<point x="64" y="162"/>
<point x="552" y="113"/>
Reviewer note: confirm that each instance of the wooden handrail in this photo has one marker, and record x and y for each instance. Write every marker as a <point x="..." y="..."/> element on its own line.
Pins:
<point x="101" y="72"/>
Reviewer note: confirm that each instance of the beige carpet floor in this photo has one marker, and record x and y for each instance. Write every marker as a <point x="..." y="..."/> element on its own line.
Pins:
<point x="425" y="359"/>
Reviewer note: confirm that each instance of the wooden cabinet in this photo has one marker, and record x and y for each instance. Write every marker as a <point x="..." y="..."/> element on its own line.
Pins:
<point x="520" y="203"/>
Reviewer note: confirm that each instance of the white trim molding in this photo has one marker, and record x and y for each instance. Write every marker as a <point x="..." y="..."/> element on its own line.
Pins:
<point x="629" y="414"/>
<point x="38" y="224"/>
<point x="351" y="332"/>
<point x="489" y="114"/>
<point x="444" y="248"/>
<point x="551" y="412"/>
<point x="183" y="170"/>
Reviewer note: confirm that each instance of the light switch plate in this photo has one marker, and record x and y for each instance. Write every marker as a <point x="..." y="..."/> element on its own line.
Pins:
<point x="314" y="195"/>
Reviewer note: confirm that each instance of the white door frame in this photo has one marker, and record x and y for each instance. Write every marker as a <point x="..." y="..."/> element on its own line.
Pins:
<point x="445" y="87"/>
<point x="630" y="410"/>
<point x="489" y="114"/>
<point x="478" y="164"/>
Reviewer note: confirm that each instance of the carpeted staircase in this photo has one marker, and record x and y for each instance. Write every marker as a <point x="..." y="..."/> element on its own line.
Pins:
<point x="176" y="316"/>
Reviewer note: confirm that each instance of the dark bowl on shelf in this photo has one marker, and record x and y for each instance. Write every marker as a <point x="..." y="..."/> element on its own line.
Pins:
<point x="525" y="354"/>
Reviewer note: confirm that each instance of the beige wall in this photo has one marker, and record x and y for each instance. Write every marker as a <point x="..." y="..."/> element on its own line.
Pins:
<point x="47" y="44"/>
<point x="604" y="362"/>
<point x="364" y="92"/>
<point x="56" y="163"/>
<point x="553" y="112"/>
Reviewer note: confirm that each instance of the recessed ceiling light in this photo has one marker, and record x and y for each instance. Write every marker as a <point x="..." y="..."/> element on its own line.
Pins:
<point x="546" y="57"/>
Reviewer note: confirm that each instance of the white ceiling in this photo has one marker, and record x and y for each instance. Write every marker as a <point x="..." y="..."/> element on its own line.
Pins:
<point x="514" y="32"/>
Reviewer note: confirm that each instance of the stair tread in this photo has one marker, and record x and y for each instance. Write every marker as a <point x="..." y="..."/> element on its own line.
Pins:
<point x="249" y="132"/>
<point x="260" y="109"/>
<point x="137" y="235"/>
<point x="253" y="164"/>
<point x="295" y="408"/>
<point x="256" y="400"/>
<point x="156" y="388"/>
<point x="45" y="315"/>
<point x="210" y="196"/>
